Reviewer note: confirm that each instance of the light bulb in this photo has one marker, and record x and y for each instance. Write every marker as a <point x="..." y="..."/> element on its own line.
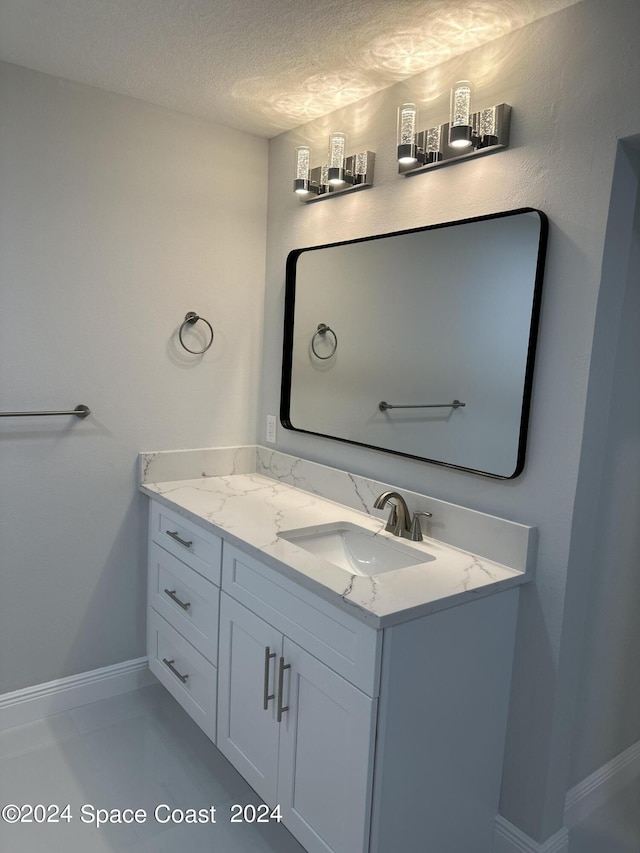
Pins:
<point x="337" y="147"/>
<point x="407" y="118"/>
<point x="301" y="181"/>
<point x="460" y="130"/>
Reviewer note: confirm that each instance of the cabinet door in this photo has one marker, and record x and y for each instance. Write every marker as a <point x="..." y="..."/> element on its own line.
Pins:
<point x="247" y="733"/>
<point x="326" y="756"/>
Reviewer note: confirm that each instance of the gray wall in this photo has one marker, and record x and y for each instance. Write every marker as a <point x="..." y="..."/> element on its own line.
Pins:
<point x="116" y="218"/>
<point x="603" y="565"/>
<point x="565" y="77"/>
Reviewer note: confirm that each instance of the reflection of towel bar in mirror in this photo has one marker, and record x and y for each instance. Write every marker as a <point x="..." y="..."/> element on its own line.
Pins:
<point x="456" y="404"/>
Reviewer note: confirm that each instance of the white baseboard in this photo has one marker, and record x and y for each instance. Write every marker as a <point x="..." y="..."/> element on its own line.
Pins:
<point x="42" y="700"/>
<point x="597" y="788"/>
<point x="509" y="839"/>
<point x="580" y="801"/>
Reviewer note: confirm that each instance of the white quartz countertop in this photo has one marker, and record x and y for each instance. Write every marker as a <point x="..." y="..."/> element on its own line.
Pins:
<point x="249" y="510"/>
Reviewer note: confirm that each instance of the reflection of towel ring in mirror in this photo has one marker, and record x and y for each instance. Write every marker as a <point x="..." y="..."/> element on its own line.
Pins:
<point x="322" y="331"/>
<point x="191" y="318"/>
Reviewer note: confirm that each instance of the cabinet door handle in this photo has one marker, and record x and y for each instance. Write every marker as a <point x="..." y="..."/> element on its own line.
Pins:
<point x="172" y="595"/>
<point x="170" y="665"/>
<point x="281" y="708"/>
<point x="268" y="654"/>
<point x="187" y="543"/>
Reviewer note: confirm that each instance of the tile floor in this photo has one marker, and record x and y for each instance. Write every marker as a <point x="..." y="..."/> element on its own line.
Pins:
<point x="613" y="828"/>
<point x="136" y="751"/>
<point x="139" y="750"/>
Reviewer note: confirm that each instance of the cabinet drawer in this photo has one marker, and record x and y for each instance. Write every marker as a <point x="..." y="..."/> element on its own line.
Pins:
<point x="186" y="674"/>
<point x="185" y="599"/>
<point x="348" y="646"/>
<point x="186" y="541"/>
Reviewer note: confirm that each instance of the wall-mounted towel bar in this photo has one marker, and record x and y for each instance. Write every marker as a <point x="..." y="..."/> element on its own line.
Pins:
<point x="79" y="411"/>
<point x="455" y="405"/>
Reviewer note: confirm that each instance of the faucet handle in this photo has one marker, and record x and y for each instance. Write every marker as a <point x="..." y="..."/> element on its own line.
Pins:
<point x="415" y="534"/>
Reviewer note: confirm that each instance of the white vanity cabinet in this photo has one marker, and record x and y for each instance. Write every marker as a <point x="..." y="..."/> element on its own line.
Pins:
<point x="182" y="616"/>
<point x="301" y="734"/>
<point x="370" y="740"/>
<point x="393" y="739"/>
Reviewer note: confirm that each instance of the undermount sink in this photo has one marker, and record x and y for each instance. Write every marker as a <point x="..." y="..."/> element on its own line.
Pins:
<point x="355" y="549"/>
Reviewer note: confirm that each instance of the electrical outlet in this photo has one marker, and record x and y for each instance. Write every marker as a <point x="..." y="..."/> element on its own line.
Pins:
<point x="271" y="429"/>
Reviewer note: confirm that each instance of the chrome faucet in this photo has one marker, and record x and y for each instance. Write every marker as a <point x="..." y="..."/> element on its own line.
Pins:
<point x="400" y="522"/>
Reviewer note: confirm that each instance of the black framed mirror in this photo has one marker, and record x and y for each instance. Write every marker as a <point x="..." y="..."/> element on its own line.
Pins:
<point x="419" y="342"/>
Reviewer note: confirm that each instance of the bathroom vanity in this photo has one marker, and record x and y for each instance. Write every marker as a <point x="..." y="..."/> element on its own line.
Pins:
<point x="371" y="707"/>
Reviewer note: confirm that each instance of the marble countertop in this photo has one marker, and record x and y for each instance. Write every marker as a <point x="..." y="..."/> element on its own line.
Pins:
<point x="249" y="510"/>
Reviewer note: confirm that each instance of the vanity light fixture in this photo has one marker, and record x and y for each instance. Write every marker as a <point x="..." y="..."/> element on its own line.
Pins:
<point x="460" y="129"/>
<point x="468" y="134"/>
<point x="337" y="146"/>
<point x="301" y="181"/>
<point x="488" y="127"/>
<point x="407" y="117"/>
<point x="429" y="146"/>
<point x="341" y="174"/>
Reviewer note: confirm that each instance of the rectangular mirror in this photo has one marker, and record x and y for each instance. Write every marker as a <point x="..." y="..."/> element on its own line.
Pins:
<point x="419" y="342"/>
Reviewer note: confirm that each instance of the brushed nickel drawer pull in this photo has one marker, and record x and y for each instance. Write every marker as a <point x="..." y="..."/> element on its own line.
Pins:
<point x="268" y="654"/>
<point x="174" y="535"/>
<point x="169" y="664"/>
<point x="172" y="595"/>
<point x="281" y="708"/>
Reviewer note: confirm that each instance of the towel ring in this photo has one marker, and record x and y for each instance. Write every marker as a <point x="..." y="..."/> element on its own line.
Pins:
<point x="322" y="330"/>
<point x="191" y="318"/>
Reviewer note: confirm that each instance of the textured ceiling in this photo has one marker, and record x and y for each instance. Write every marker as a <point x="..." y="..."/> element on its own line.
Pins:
<point x="263" y="66"/>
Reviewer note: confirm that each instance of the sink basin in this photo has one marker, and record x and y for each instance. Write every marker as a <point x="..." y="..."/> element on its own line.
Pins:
<point x="355" y="549"/>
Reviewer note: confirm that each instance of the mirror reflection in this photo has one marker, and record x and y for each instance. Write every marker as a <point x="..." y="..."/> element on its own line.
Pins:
<point x="419" y="342"/>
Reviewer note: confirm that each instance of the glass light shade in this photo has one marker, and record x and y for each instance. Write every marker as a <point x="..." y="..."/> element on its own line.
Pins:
<point x="301" y="180"/>
<point x="361" y="164"/>
<point x="407" y="118"/>
<point x="429" y="145"/>
<point x="460" y="130"/>
<point x="487" y="126"/>
<point x="461" y="103"/>
<point x="433" y="140"/>
<point x="337" y="148"/>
